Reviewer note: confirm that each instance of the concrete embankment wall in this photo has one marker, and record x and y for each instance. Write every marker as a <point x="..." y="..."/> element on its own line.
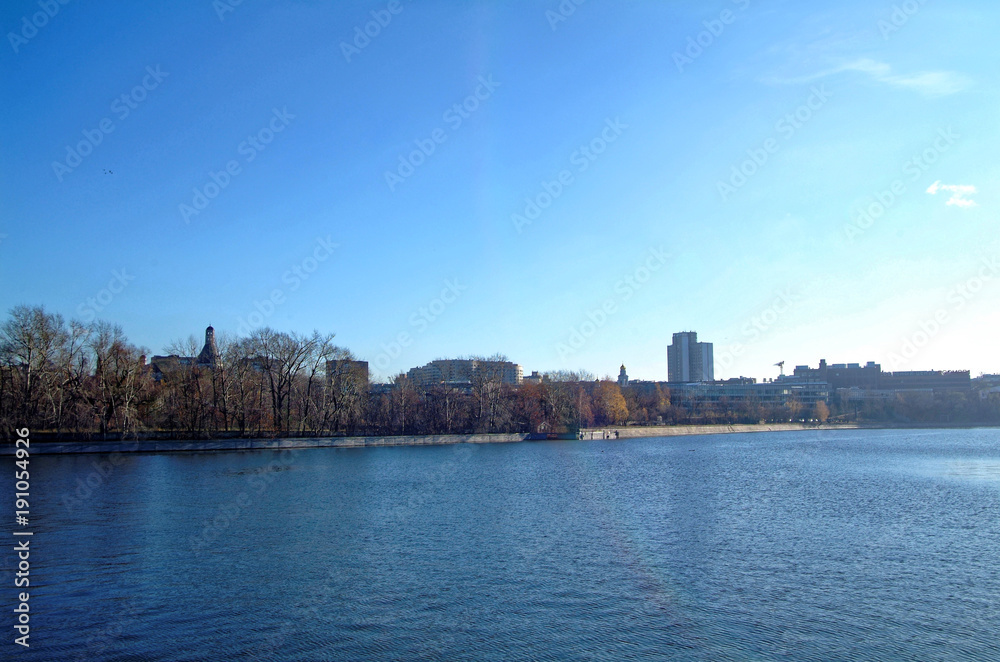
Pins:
<point x="153" y="446"/>
<point x="633" y="432"/>
<point x="57" y="447"/>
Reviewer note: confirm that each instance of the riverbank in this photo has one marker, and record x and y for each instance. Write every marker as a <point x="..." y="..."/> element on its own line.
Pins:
<point x="175" y="446"/>
<point x="637" y="432"/>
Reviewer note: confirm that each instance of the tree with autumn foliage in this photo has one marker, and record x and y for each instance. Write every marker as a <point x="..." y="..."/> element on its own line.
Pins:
<point x="821" y="412"/>
<point x="609" y="404"/>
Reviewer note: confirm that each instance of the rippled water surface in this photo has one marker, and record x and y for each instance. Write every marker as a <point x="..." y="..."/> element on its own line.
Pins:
<point x="832" y="545"/>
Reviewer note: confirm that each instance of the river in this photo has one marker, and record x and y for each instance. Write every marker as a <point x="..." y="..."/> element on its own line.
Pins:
<point x="822" y="545"/>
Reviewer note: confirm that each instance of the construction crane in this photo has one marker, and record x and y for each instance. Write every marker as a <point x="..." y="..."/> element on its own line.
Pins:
<point x="781" y="365"/>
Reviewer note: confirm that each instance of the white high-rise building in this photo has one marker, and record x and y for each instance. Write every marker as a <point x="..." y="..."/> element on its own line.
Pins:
<point x="689" y="360"/>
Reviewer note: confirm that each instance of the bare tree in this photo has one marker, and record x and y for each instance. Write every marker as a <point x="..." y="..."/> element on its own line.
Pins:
<point x="345" y="394"/>
<point x="68" y="401"/>
<point x="490" y="392"/>
<point x="245" y="387"/>
<point x="31" y="343"/>
<point x="281" y="358"/>
<point x="569" y="376"/>
<point x="403" y="404"/>
<point x="120" y="383"/>
<point x="223" y="385"/>
<point x="318" y="352"/>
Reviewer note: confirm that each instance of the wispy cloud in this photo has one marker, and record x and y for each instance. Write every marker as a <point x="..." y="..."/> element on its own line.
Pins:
<point x="928" y="83"/>
<point x="958" y="193"/>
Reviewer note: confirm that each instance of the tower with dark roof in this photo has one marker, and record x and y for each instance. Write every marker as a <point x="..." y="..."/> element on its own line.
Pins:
<point x="209" y="355"/>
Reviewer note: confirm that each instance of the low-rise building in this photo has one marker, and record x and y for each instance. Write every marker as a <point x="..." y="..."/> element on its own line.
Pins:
<point x="916" y="380"/>
<point x="870" y="377"/>
<point x="842" y="375"/>
<point x="782" y="391"/>
<point x="463" y="372"/>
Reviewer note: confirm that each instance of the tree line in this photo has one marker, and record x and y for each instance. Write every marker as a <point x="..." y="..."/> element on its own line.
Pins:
<point x="76" y="380"/>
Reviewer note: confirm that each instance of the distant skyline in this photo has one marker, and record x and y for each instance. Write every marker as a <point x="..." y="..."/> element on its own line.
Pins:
<point x="807" y="181"/>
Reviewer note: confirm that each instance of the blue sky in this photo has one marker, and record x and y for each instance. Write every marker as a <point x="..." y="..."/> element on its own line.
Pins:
<point x="626" y="134"/>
